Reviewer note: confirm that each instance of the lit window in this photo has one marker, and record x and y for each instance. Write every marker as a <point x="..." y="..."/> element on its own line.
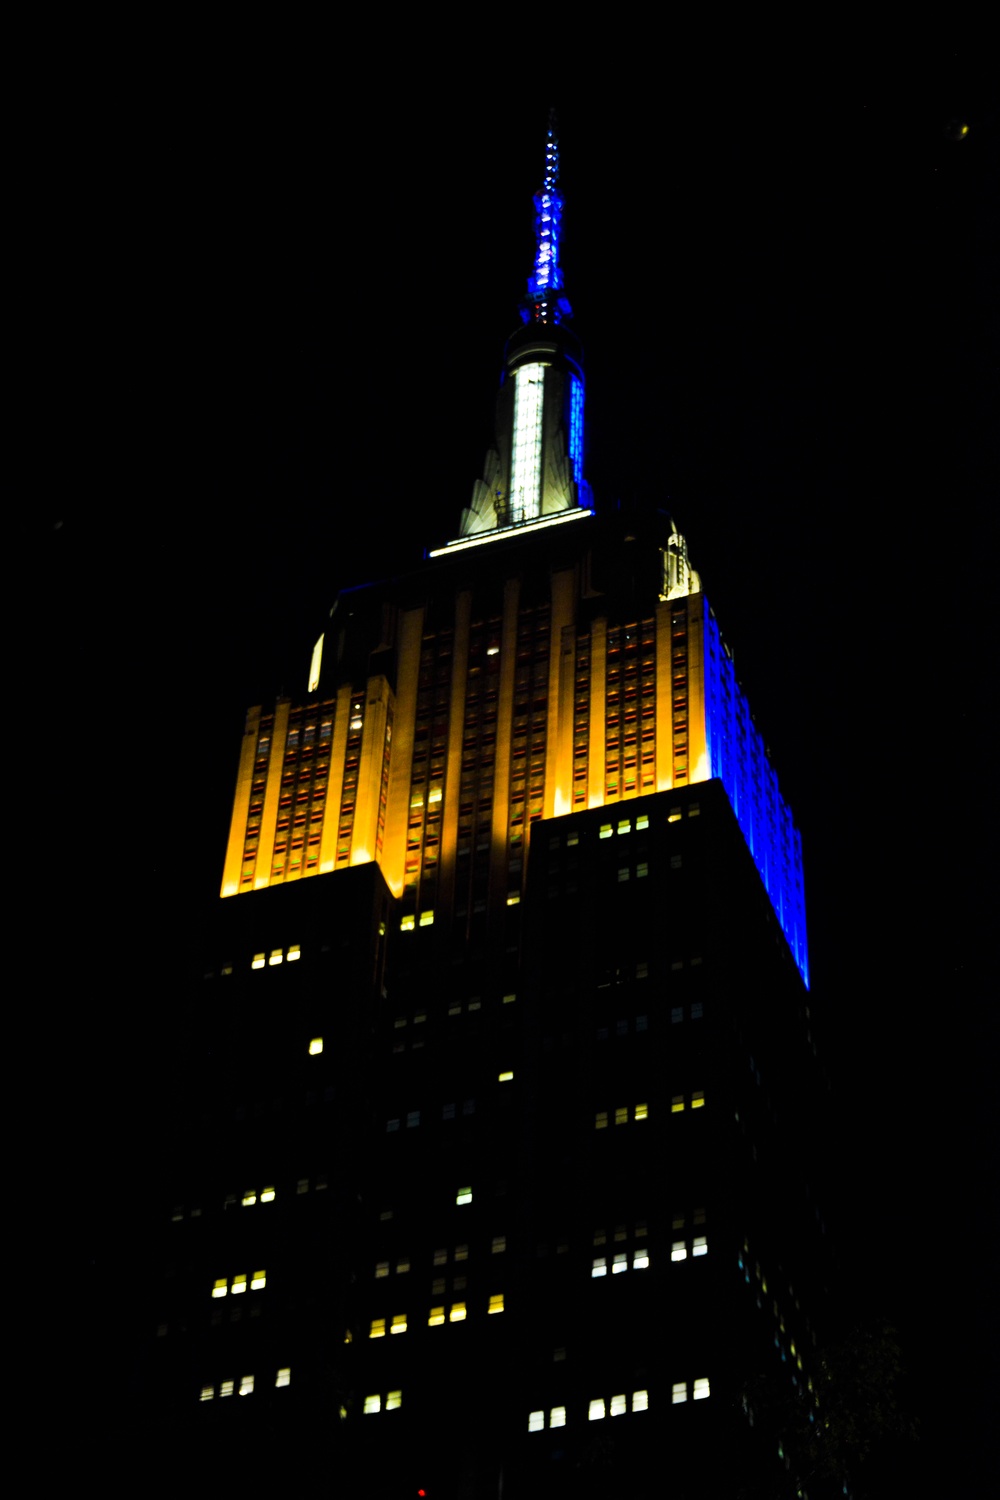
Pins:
<point x="514" y="899"/>
<point x="258" y="1280"/>
<point x="623" y="874"/>
<point x="284" y="1376"/>
<point x="619" y="1264"/>
<point x="674" y="815"/>
<point x="640" y="1260"/>
<point x="259" y="960"/>
<point x="640" y="1400"/>
<point x="701" y="1391"/>
<point x="505" y="1077"/>
<point x="679" y="1392"/>
<point x="464" y="1195"/>
<point x="642" y="821"/>
<point x="315" y="1046"/>
<point x="619" y="1406"/>
<point x="377" y="1329"/>
<point x="398" y="1324"/>
<point x="427" y="919"/>
<point x="596" y="1412"/>
<point x="440" y="1257"/>
<point x="220" y="1288"/>
<point x="277" y="957"/>
<point x="226" y="1388"/>
<point x="436" y="1317"/>
<point x="457" y="1313"/>
<point x="700" y="1246"/>
<point x="641" y="869"/>
<point x="536" y="1421"/>
<point x="601" y="1120"/>
<point x="676" y="1104"/>
<point x="678" y="1250"/>
<point x="697" y="1099"/>
<point x="294" y="952"/>
<point x="599" y="1267"/>
<point x="249" y="1198"/>
<point x="605" y="831"/>
<point x="246" y="1385"/>
<point x="625" y="825"/>
<point x="407" y="924"/>
<point x="496" y="1303"/>
<point x="509" y="999"/>
<point x="372" y="1403"/>
<point x="557" y="1416"/>
<point x="239" y="1285"/>
<point x="207" y="1392"/>
<point x="621" y="1116"/>
<point x="402" y="1266"/>
<point x="642" y="1112"/>
<point x="267" y="1196"/>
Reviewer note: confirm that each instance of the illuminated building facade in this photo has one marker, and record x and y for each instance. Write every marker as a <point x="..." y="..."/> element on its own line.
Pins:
<point x="489" y="1189"/>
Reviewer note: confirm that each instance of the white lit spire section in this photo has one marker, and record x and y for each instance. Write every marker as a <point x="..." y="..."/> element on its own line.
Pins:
<point x="526" y="448"/>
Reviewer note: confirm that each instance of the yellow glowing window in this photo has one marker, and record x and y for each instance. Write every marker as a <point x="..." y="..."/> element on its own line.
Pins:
<point x="258" y="1280"/>
<point x="239" y="1285"/>
<point x="509" y="999"/>
<point x="701" y="1389"/>
<point x="372" y="1404"/>
<point x="601" y="1120"/>
<point x="427" y="919"/>
<point x="674" y="815"/>
<point x="599" y="1267"/>
<point x="259" y="960"/>
<point x="642" y="821"/>
<point x="496" y="1303"/>
<point x="267" y="1196"/>
<point x="499" y="1244"/>
<point x="457" y="1313"/>
<point x="220" y="1288"/>
<point x="700" y="1247"/>
<point x="679" y="1392"/>
<point x="461" y="1252"/>
<point x="377" y="1329"/>
<point x="382" y="1269"/>
<point x="621" y="1116"/>
<point x="393" y="1400"/>
<point x="619" y="1406"/>
<point x="407" y="924"/>
<point x="640" y="1400"/>
<point x="207" y="1393"/>
<point x="536" y="1421"/>
<point x="226" y="1388"/>
<point x="464" y="1195"/>
<point x="402" y="1266"/>
<point x="505" y="1077"/>
<point x="676" y="1104"/>
<point x="640" y="1260"/>
<point x="277" y="957"/>
<point x="678" y="1250"/>
<point x="294" y="953"/>
<point x="246" y="1385"/>
<point x="440" y="1257"/>
<point x="284" y="1376"/>
<point x="398" y="1324"/>
<point x="514" y="899"/>
<point x="606" y="831"/>
<point x="642" y="1112"/>
<point x="625" y="825"/>
<point x="697" y="1100"/>
<point x="249" y="1198"/>
<point x="596" y="1413"/>
<point x="436" y="1317"/>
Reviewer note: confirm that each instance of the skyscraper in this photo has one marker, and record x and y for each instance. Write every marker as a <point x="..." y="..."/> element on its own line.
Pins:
<point x="497" y="1177"/>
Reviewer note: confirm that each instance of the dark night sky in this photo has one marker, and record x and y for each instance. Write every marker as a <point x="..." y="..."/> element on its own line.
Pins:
<point x="273" y="347"/>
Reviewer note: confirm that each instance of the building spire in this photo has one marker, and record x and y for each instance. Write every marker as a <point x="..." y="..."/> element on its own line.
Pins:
<point x="545" y="302"/>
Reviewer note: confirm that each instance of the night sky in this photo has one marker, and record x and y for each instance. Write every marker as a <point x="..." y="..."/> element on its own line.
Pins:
<point x="272" y="327"/>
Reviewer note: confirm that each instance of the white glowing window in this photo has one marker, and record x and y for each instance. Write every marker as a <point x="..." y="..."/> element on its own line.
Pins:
<point x="619" y="1406"/>
<point x="315" y="1046"/>
<point x="642" y="1112"/>
<point x="526" y="455"/>
<point x="697" y="1100"/>
<point x="207" y="1393"/>
<point x="239" y="1285"/>
<point x="640" y="1400"/>
<point x="496" y="1303"/>
<point x="427" y="919"/>
<point x="701" y="1389"/>
<point x="220" y="1288"/>
<point x="457" y="1313"/>
<point x="599" y="1267"/>
<point x="398" y="1324"/>
<point x="557" y="1416"/>
<point x="407" y="924"/>
<point x="464" y="1195"/>
<point x="249" y="1198"/>
<point x="372" y="1404"/>
<point x="258" y="1280"/>
<point x="284" y="1376"/>
<point x="277" y="957"/>
<point x="700" y="1246"/>
<point x="619" y="1264"/>
<point x="259" y="960"/>
<point x="601" y="1120"/>
<point x="315" y="665"/>
<point x="640" y="1260"/>
<point x="434" y="795"/>
<point x="536" y="1421"/>
<point x="246" y="1385"/>
<point x="596" y="1412"/>
<point x="679" y="1392"/>
<point x="267" y="1196"/>
<point x="606" y="831"/>
<point x="294" y="953"/>
<point x="226" y="1388"/>
<point x="678" y="1250"/>
<point x="642" y="821"/>
<point x="356" y="721"/>
<point x="625" y="825"/>
<point x="505" y="1077"/>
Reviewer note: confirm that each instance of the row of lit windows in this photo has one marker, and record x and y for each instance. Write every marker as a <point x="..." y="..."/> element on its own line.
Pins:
<point x="238" y="1284"/>
<point x="457" y="1312"/>
<point x="619" y="1405"/>
<point x="272" y="959"/>
<point x="439" y="1258"/>
<point x="393" y="1400"/>
<point x="242" y="1387"/>
<point x="620" y="1116"/>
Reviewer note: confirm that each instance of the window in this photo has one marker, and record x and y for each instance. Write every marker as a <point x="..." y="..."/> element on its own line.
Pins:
<point x="377" y="1329"/>
<point x="496" y="1303"/>
<point x="436" y="1317"/>
<point x="372" y="1404"/>
<point x="536" y="1421"/>
<point x="284" y="1376"/>
<point x="398" y="1324"/>
<point x="457" y="1313"/>
<point x="596" y="1412"/>
<point x="246" y="1385"/>
<point x="315" y="1046"/>
<point x="464" y="1195"/>
<point x="619" y="1406"/>
<point x="557" y="1416"/>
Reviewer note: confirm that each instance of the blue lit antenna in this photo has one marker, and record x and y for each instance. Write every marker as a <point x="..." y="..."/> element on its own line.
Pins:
<point x="544" y="303"/>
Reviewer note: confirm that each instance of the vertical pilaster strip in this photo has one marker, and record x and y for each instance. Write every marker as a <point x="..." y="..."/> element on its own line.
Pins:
<point x="272" y="794"/>
<point x="335" y="785"/>
<point x="664" y="699"/>
<point x="698" y="767"/>
<point x="411" y="632"/>
<point x="559" y="728"/>
<point x="598" y="698"/>
<point x="497" y="899"/>
<point x="378" y="697"/>
<point x="233" y="868"/>
<point x="453" y="760"/>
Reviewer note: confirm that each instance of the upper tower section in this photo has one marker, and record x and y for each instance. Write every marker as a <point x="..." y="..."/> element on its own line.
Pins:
<point x="533" y="474"/>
